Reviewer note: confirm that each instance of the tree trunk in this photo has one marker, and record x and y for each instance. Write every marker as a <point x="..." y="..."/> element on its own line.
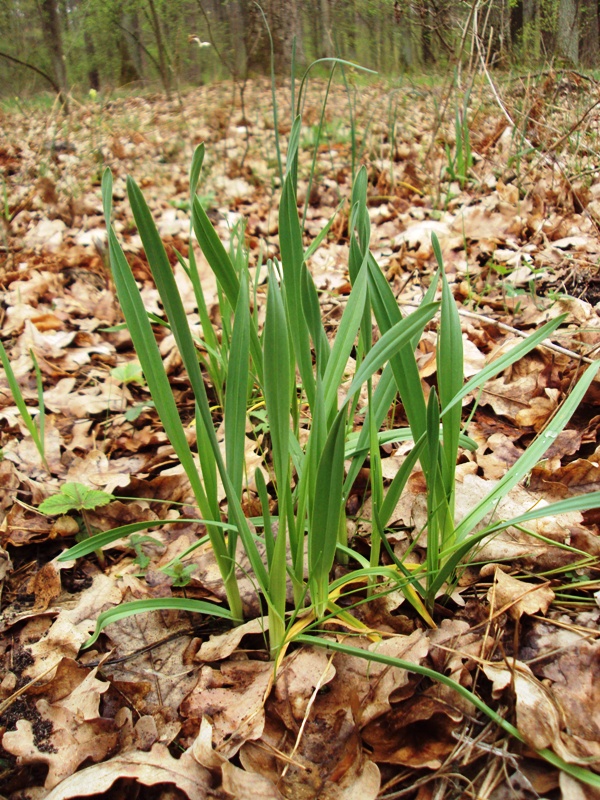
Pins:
<point x="93" y="72"/>
<point x="53" y="39"/>
<point x="590" y="36"/>
<point x="325" y="50"/>
<point x="165" y="74"/>
<point x="283" y="20"/>
<point x="567" y="37"/>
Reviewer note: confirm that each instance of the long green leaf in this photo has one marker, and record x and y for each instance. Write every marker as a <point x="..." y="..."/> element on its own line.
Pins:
<point x="531" y="456"/>
<point x="167" y="287"/>
<point x="277" y="379"/>
<point x="500" y="364"/>
<point x="236" y="393"/>
<point x="17" y="396"/>
<point x="325" y="516"/>
<point x="312" y="313"/>
<point x="450" y="374"/>
<point x="215" y="253"/>
<point x="292" y="258"/>
<point x="391" y="343"/>
<point x="403" y="364"/>
<point x="344" y="341"/>
<point x="100" y="540"/>
<point x="155" y="604"/>
<point x="158" y="383"/>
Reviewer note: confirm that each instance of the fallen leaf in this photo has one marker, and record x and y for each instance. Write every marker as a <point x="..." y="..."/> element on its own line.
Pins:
<point x="71" y="732"/>
<point x="518" y="597"/>
<point x="149" y="769"/>
<point x="538" y="717"/>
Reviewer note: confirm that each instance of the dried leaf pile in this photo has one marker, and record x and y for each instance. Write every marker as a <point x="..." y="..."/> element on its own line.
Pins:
<point x="170" y="706"/>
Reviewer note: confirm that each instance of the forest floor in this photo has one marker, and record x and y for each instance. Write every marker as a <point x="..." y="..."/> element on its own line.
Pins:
<point x="167" y="705"/>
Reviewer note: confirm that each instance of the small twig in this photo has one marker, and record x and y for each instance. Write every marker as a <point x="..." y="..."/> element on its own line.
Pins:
<point x="5" y="704"/>
<point x="309" y="705"/>
<point x="509" y="329"/>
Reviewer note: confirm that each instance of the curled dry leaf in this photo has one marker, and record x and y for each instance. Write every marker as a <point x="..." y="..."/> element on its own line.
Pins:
<point x="73" y="626"/>
<point x="518" y="597"/>
<point x="538" y="717"/>
<point x="220" y="646"/>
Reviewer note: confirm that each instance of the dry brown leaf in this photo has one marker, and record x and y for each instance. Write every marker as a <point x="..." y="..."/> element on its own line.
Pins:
<point x="149" y="769"/>
<point x="576" y="686"/>
<point x="243" y="785"/>
<point x="71" y="732"/>
<point x="233" y="697"/>
<point x="518" y="597"/>
<point x="170" y="679"/>
<point x="538" y="717"/>
<point x="220" y="646"/>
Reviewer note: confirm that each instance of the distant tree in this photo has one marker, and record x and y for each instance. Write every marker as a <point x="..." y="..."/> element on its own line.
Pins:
<point x="589" y="50"/>
<point x="51" y="29"/>
<point x="283" y="19"/>
<point x="568" y="30"/>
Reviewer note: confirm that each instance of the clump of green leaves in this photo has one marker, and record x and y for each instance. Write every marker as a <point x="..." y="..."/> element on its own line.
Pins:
<point x="309" y="409"/>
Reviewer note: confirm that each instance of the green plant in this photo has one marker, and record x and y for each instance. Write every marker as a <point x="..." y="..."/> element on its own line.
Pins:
<point x="461" y="161"/>
<point x="137" y="543"/>
<point x="311" y="429"/>
<point x="35" y="429"/>
<point x="294" y="339"/>
<point x="78" y="497"/>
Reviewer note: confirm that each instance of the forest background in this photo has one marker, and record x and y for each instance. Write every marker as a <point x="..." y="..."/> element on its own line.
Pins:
<point x="99" y="44"/>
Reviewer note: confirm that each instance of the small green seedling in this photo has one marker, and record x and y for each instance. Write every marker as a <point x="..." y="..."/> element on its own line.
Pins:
<point x="130" y="372"/>
<point x="137" y="541"/>
<point x="77" y="497"/>
<point x="180" y="573"/>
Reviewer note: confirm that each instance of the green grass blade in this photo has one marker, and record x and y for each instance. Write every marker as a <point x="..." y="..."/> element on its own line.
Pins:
<point x="155" y="604"/>
<point x="215" y="362"/>
<point x="531" y="456"/>
<point x="167" y="287"/>
<point x="395" y="489"/>
<point x="450" y="375"/>
<point x="158" y="383"/>
<point x="435" y="488"/>
<point x="404" y="365"/>
<point x="359" y="220"/>
<point x="322" y="235"/>
<point x="208" y="466"/>
<point x="41" y="405"/>
<point x="215" y="253"/>
<point x="17" y="395"/>
<point x="263" y="496"/>
<point x="326" y="510"/>
<point x="100" y="540"/>
<point x="344" y="341"/>
<point x="236" y="394"/>
<point x="316" y="145"/>
<point x="500" y="364"/>
<point x="195" y="170"/>
<point x="277" y="379"/>
<point x="292" y="258"/>
<point x="384" y="394"/>
<point x="581" y="502"/>
<point x="391" y="343"/>
<point x="312" y="313"/>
